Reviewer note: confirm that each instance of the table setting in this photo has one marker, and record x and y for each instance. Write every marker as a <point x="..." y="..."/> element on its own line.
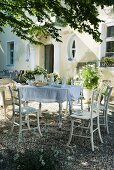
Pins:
<point x="49" y="90"/>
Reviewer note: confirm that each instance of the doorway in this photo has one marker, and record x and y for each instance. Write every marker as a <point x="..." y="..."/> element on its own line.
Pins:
<point x="49" y="58"/>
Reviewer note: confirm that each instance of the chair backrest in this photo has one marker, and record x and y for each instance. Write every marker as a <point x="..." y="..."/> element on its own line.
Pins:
<point x="107" y="95"/>
<point x="16" y="98"/>
<point x="95" y="101"/>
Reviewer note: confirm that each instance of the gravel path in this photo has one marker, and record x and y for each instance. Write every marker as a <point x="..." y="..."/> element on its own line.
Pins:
<point x="76" y="157"/>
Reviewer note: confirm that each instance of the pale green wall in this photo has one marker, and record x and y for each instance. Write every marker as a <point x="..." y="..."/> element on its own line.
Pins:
<point x="19" y="49"/>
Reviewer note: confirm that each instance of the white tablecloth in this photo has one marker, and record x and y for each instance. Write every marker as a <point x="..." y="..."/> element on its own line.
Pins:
<point x="47" y="94"/>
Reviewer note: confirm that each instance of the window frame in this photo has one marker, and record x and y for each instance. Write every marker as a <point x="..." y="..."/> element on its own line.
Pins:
<point x="109" y="39"/>
<point x="71" y="49"/>
<point x="110" y="31"/>
<point x="10" y="53"/>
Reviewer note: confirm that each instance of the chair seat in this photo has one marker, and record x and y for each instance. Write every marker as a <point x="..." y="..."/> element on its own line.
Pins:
<point x="102" y="107"/>
<point x="83" y="115"/>
<point x="26" y="110"/>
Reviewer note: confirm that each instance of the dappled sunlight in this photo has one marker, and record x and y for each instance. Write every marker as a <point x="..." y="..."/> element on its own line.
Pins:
<point x="77" y="155"/>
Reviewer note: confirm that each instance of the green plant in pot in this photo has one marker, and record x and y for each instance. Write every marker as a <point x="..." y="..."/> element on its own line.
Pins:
<point x="56" y="77"/>
<point x="90" y="77"/>
<point x="108" y="61"/>
<point x="29" y="75"/>
<point x="39" y="73"/>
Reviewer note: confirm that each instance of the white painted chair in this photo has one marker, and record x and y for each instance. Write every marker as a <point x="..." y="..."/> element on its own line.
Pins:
<point x="104" y="108"/>
<point x="83" y="120"/>
<point x="81" y="97"/>
<point x="5" y="96"/>
<point x="23" y="112"/>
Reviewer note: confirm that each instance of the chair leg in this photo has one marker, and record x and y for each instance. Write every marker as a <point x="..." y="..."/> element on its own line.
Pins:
<point x="3" y="99"/>
<point x="106" y="121"/>
<point x="99" y="132"/>
<point x="27" y="119"/>
<point x="13" y="121"/>
<point x="20" y="129"/>
<point x="71" y="132"/>
<point x="5" y="112"/>
<point x="38" y="124"/>
<point x="40" y="106"/>
<point x="91" y="133"/>
<point x="66" y="109"/>
<point x="81" y="104"/>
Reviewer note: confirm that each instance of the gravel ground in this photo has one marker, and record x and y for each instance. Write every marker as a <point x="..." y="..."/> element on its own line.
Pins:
<point x="78" y="156"/>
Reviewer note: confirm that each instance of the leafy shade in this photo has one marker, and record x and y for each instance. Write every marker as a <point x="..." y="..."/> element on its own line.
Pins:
<point x="32" y="19"/>
<point x="90" y="76"/>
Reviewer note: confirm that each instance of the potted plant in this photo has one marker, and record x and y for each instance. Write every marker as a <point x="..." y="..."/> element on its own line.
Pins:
<point x="90" y="77"/>
<point x="55" y="77"/>
<point x="107" y="61"/>
<point x="39" y="73"/>
<point x="29" y="76"/>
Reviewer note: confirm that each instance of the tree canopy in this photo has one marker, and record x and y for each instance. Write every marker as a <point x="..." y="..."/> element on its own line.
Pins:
<point x="32" y="19"/>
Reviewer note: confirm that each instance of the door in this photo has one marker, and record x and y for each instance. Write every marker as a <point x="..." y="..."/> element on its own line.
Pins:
<point x="49" y="58"/>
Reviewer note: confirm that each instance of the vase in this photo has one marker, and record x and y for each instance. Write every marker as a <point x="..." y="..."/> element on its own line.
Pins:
<point x="51" y="80"/>
<point x="87" y="94"/>
<point x="29" y="82"/>
<point x="39" y="77"/>
<point x="63" y="81"/>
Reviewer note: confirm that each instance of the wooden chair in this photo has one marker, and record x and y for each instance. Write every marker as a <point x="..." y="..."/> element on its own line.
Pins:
<point x="23" y="112"/>
<point x="83" y="120"/>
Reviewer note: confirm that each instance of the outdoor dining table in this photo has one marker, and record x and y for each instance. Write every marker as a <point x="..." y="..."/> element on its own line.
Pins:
<point x="50" y="94"/>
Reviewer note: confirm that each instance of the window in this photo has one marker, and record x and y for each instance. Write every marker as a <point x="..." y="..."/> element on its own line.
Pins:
<point x="72" y="49"/>
<point x="10" y="53"/>
<point x="110" y="41"/>
<point x="110" y="31"/>
<point x="110" y="46"/>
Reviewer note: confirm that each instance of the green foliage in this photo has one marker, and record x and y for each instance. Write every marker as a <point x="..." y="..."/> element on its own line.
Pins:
<point x="40" y="70"/>
<point x="31" y="19"/>
<point x="90" y="76"/>
<point x="21" y="78"/>
<point x="60" y="22"/>
<point x="69" y="80"/>
<point x="29" y="75"/>
<point x="107" y="60"/>
<point x="56" y="76"/>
